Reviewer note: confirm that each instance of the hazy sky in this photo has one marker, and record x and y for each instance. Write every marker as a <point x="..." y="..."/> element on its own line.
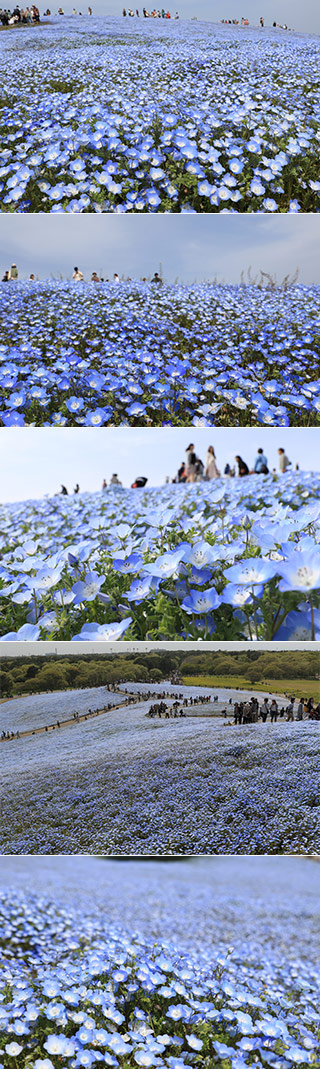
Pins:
<point x="41" y="649"/>
<point x="189" y="247"/>
<point x="43" y="458"/>
<point x="299" y="16"/>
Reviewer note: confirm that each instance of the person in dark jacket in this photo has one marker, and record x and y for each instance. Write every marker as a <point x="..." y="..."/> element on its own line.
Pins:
<point x="242" y="466"/>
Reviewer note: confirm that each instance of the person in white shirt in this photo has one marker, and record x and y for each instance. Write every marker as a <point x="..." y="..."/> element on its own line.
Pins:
<point x="77" y="275"/>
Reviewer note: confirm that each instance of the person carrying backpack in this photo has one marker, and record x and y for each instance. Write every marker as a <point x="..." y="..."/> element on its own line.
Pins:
<point x="260" y="464"/>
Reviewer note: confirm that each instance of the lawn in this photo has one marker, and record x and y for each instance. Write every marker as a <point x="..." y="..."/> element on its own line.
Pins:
<point x="303" y="688"/>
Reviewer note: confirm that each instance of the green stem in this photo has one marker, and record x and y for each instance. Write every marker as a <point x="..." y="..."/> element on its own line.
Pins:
<point x="312" y="618"/>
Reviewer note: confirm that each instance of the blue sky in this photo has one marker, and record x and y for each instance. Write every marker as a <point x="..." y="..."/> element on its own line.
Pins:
<point x="43" y="458"/>
<point x="304" y="17"/>
<point x="192" y="247"/>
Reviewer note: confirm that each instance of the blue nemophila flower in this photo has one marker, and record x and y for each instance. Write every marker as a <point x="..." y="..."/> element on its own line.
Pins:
<point x="26" y="633"/>
<point x="128" y="564"/>
<point x="240" y="595"/>
<point x="142" y="588"/>
<point x="43" y="1063"/>
<point x="201" y="601"/>
<point x="103" y="632"/>
<point x="87" y="589"/>
<point x="167" y="564"/>
<point x="299" y="625"/>
<point x="256" y="571"/>
<point x="301" y="571"/>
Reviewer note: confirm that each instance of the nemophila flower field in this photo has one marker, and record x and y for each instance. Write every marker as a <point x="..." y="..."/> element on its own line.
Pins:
<point x="124" y="784"/>
<point x="83" y="985"/>
<point x="78" y="354"/>
<point x="105" y="116"/>
<point x="234" y="558"/>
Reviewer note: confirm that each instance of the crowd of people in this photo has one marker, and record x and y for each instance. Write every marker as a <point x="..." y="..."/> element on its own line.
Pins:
<point x="193" y="470"/>
<point x="74" y="11"/>
<point x="250" y="712"/>
<point x="12" y="274"/>
<point x="139" y="482"/>
<point x="244" y="712"/>
<point x="155" y="14"/>
<point x="245" y="22"/>
<point x="12" y="18"/>
<point x="177" y="709"/>
<point x="162" y="711"/>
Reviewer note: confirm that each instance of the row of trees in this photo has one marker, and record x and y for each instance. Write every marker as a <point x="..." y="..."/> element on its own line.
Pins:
<point x="28" y="675"/>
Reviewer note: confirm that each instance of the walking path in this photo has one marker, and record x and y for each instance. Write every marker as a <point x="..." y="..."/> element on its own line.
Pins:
<point x="37" y="705"/>
<point x="65" y="723"/>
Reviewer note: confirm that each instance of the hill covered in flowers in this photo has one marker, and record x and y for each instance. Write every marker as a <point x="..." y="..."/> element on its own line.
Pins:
<point x="158" y="116"/>
<point x="166" y="966"/>
<point x="122" y="783"/>
<point x="234" y="558"/>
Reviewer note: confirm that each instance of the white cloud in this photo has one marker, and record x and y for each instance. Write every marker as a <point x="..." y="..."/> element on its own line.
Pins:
<point x="189" y="247"/>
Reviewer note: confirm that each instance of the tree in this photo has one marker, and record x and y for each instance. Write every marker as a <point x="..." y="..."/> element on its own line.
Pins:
<point x="5" y="684"/>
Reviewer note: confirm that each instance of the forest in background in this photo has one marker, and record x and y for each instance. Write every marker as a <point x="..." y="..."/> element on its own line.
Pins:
<point x="35" y="674"/>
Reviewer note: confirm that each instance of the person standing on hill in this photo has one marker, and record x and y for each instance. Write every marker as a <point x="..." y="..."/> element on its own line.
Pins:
<point x="13" y="272"/>
<point x="260" y="464"/>
<point x="211" y="470"/>
<point x="242" y="467"/>
<point x="190" y="463"/>
<point x="284" y="462"/>
<point x="77" y="275"/>
<point x="289" y="710"/>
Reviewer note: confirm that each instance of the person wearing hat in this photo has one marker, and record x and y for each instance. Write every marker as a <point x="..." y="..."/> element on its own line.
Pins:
<point x="13" y="272"/>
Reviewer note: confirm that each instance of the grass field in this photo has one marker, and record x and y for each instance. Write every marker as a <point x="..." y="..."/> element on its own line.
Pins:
<point x="299" y="687"/>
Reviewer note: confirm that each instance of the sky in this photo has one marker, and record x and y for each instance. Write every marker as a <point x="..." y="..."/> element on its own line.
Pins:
<point x="303" y="17"/>
<point x="42" y="458"/>
<point x="41" y="649"/>
<point x="188" y="247"/>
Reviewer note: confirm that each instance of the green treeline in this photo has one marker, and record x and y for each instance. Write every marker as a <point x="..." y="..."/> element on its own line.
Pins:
<point x="28" y="675"/>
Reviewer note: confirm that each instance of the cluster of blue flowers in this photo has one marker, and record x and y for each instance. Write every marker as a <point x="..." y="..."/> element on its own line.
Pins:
<point x="76" y="135"/>
<point x="233" y="558"/>
<point x="79" y="990"/>
<point x="75" y="354"/>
